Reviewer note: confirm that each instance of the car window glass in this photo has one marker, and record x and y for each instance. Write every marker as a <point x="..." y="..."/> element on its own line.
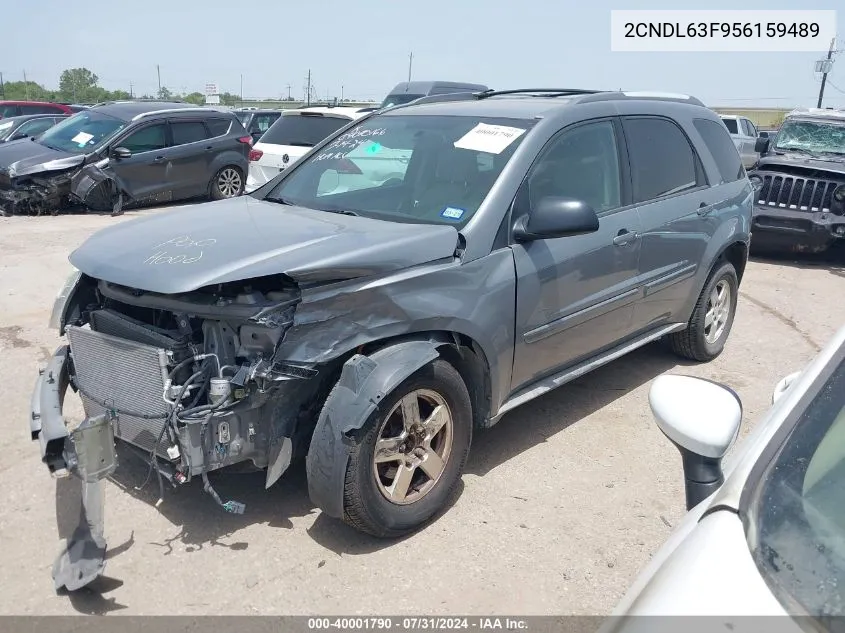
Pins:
<point x="9" y="110"/>
<point x="261" y="123"/>
<point x="187" y="132"/>
<point x="797" y="509"/>
<point x="146" y="139"/>
<point x="731" y="125"/>
<point x="581" y="163"/>
<point x="751" y="129"/>
<point x="218" y="127"/>
<point x="722" y="148"/>
<point x="422" y="169"/>
<point x="302" y="130"/>
<point x="35" y="127"/>
<point x="662" y="161"/>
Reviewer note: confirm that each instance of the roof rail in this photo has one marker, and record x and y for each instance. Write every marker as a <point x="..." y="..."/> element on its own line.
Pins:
<point x="172" y="110"/>
<point x="540" y="92"/>
<point x="622" y="95"/>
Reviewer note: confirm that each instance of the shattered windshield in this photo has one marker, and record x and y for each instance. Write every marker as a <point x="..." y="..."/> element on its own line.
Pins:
<point x="420" y="169"/>
<point x="82" y="133"/>
<point x="816" y="137"/>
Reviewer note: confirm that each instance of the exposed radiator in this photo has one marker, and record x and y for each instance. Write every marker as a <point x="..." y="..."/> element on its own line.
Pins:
<point x="124" y="375"/>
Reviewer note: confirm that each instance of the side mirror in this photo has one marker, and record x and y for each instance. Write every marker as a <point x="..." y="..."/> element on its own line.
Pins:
<point x="761" y="145"/>
<point x="702" y="419"/>
<point x="121" y="152"/>
<point x="556" y="217"/>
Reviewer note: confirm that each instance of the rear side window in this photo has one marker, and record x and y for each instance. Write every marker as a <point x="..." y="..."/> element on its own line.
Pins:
<point x="722" y="148"/>
<point x="40" y="109"/>
<point x="9" y="110"/>
<point x="187" y="132"/>
<point x="218" y="126"/>
<point x="732" y="126"/>
<point x="662" y="161"/>
<point x="302" y="130"/>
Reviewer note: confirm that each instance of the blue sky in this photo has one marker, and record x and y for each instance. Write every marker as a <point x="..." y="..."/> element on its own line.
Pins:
<point x="362" y="48"/>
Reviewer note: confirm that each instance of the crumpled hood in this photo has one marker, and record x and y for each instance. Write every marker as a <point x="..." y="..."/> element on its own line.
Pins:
<point x="795" y="159"/>
<point x="24" y="157"/>
<point x="187" y="248"/>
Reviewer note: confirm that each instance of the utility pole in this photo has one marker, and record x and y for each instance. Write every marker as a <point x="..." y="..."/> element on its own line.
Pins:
<point x="308" y="89"/>
<point x="341" y="93"/>
<point x="2" y="87"/>
<point x="825" y="66"/>
<point x="242" y="89"/>
<point x="131" y="92"/>
<point x="26" y="85"/>
<point x="158" y="71"/>
<point x="288" y="87"/>
<point x="410" y="65"/>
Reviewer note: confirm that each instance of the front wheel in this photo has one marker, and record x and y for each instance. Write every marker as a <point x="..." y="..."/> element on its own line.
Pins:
<point x="227" y="183"/>
<point x="409" y="455"/>
<point x="712" y="319"/>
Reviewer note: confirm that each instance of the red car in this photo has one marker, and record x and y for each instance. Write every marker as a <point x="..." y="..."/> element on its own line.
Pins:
<point x="19" y="108"/>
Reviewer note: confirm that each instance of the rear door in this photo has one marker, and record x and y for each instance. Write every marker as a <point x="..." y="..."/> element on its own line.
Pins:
<point x="671" y="190"/>
<point x="575" y="295"/>
<point x="189" y="157"/>
<point x="144" y="174"/>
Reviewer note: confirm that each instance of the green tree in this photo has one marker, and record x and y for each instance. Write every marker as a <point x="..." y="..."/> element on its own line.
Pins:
<point x="79" y="85"/>
<point x="197" y="98"/>
<point x="26" y="90"/>
<point x="164" y="93"/>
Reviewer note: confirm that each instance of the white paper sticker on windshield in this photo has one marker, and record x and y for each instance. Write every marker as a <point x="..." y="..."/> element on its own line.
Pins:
<point x="82" y="138"/>
<point x="492" y="139"/>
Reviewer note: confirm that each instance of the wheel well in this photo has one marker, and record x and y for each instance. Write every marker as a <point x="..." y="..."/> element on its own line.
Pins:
<point x="736" y="254"/>
<point x="464" y="354"/>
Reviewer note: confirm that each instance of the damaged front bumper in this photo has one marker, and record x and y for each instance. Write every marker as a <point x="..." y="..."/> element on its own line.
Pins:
<point x="88" y="452"/>
<point x="804" y="230"/>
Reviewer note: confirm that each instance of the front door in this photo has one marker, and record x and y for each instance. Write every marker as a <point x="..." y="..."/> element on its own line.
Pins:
<point x="575" y="295"/>
<point x="144" y="174"/>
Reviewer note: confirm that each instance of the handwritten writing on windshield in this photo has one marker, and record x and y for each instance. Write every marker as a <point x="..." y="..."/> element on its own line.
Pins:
<point x="347" y="142"/>
<point x="168" y="252"/>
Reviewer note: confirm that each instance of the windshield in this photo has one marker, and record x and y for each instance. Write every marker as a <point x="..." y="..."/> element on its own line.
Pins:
<point x="82" y="133"/>
<point x="816" y="137"/>
<point x="302" y="130"/>
<point x="421" y="169"/>
<point x="399" y="99"/>
<point x="731" y="124"/>
<point x="798" y="509"/>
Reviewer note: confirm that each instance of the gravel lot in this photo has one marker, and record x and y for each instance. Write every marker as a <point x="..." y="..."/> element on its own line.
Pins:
<point x="562" y="502"/>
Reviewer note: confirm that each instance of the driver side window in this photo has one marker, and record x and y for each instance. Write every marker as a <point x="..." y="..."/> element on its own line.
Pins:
<point x="146" y="139"/>
<point x="580" y="163"/>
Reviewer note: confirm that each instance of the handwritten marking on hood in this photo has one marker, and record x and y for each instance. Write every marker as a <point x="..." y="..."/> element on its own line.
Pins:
<point x="170" y="254"/>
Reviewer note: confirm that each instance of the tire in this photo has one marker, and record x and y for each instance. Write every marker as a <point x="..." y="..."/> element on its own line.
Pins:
<point x="227" y="183"/>
<point x="367" y="484"/>
<point x="698" y="341"/>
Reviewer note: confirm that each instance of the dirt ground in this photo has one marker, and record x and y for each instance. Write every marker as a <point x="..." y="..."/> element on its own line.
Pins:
<point x="561" y="505"/>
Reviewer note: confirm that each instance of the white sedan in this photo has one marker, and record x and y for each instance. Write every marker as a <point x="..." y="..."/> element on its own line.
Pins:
<point x="765" y="535"/>
<point x="291" y="136"/>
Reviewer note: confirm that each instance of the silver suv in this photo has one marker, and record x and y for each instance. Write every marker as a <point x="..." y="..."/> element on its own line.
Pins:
<point x="414" y="277"/>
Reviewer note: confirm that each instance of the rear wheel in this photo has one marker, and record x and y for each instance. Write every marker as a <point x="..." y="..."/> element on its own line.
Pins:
<point x="409" y="456"/>
<point x="227" y="183"/>
<point x="712" y="319"/>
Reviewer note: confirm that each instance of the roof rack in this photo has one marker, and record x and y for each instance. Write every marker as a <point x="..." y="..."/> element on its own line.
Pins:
<point x="540" y="92"/>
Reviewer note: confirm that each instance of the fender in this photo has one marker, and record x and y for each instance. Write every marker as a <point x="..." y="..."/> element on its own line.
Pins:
<point x="364" y="382"/>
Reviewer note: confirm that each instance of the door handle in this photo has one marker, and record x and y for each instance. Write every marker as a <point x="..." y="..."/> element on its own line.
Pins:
<point x="625" y="237"/>
<point x="704" y="208"/>
<point x="158" y="159"/>
<point x="209" y="148"/>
